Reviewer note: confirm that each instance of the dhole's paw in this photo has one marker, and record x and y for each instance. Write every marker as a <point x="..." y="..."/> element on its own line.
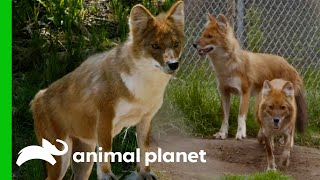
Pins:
<point x="141" y="176"/>
<point x="272" y="168"/>
<point x="133" y="176"/>
<point x="107" y="176"/>
<point x="241" y="135"/>
<point x="221" y="135"/>
<point x="241" y="132"/>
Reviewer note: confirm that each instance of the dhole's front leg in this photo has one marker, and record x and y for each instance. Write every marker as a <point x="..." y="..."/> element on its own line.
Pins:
<point x="104" y="128"/>
<point x="244" y="105"/>
<point x="270" y="155"/>
<point x="260" y="136"/>
<point x="288" y="141"/>
<point x="143" y="138"/>
<point x="225" y="104"/>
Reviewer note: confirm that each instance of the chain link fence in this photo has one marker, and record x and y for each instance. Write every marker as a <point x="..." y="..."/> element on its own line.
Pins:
<point x="289" y="28"/>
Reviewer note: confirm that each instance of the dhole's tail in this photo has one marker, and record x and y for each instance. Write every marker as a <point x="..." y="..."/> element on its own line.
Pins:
<point x="302" y="115"/>
<point x="36" y="97"/>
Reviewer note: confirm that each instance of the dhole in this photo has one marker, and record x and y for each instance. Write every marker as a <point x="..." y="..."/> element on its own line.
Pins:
<point x="115" y="89"/>
<point x="242" y="72"/>
<point x="276" y="112"/>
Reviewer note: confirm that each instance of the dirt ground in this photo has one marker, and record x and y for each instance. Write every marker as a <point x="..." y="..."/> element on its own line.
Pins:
<point x="233" y="157"/>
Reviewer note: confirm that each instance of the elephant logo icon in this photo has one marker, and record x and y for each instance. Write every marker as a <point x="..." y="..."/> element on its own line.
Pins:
<point x="44" y="152"/>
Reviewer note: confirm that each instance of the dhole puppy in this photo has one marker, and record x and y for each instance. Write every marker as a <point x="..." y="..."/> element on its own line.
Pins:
<point x="119" y="88"/>
<point x="242" y="72"/>
<point x="276" y="113"/>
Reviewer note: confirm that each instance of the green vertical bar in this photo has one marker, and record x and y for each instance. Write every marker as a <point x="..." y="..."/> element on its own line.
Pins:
<point x="5" y="89"/>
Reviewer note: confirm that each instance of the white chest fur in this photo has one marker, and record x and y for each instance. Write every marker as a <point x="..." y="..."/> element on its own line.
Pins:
<point x="234" y="82"/>
<point x="146" y="80"/>
<point x="231" y="82"/>
<point x="147" y="84"/>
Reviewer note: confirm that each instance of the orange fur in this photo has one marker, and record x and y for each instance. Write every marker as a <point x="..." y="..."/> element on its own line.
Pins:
<point x="276" y="113"/>
<point x="115" y="89"/>
<point x="242" y="72"/>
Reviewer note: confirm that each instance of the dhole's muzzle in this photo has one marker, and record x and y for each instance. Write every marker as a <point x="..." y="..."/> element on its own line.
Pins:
<point x="169" y="67"/>
<point x="202" y="51"/>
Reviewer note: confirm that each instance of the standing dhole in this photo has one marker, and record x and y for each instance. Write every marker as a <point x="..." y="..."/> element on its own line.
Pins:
<point x="276" y="113"/>
<point x="242" y="72"/>
<point x="119" y="88"/>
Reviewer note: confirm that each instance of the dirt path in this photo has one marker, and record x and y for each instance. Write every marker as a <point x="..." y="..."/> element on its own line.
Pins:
<point x="232" y="157"/>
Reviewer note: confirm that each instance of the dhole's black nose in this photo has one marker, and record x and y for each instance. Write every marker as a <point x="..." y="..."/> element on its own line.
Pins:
<point x="194" y="45"/>
<point x="173" y="65"/>
<point x="276" y="120"/>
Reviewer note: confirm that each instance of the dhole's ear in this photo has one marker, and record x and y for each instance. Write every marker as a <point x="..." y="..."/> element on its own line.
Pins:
<point x="210" y="17"/>
<point x="139" y="17"/>
<point x="266" y="88"/>
<point x="222" y="21"/>
<point x="288" y="89"/>
<point x="176" y="12"/>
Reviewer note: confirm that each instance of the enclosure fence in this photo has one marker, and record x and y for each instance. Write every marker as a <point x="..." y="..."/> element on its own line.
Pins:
<point x="289" y="28"/>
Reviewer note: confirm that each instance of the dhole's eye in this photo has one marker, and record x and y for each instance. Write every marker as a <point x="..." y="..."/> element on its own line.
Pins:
<point x="270" y="107"/>
<point x="283" y="107"/>
<point x="155" y="46"/>
<point x="209" y="36"/>
<point x="176" y="44"/>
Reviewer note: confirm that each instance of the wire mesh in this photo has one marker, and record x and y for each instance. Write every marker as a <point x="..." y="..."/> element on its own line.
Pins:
<point x="289" y="28"/>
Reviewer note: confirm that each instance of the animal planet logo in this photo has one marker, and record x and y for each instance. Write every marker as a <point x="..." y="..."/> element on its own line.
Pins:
<point x="44" y="152"/>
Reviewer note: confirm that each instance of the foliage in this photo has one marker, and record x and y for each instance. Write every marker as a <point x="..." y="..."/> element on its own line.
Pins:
<point x="254" y="34"/>
<point x="122" y="11"/>
<point x="121" y="14"/>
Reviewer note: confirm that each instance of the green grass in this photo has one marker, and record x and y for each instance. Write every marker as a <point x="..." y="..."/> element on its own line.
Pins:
<point x="271" y="175"/>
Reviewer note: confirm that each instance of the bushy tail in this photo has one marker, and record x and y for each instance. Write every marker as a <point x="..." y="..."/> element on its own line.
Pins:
<point x="302" y="115"/>
<point x="36" y="97"/>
